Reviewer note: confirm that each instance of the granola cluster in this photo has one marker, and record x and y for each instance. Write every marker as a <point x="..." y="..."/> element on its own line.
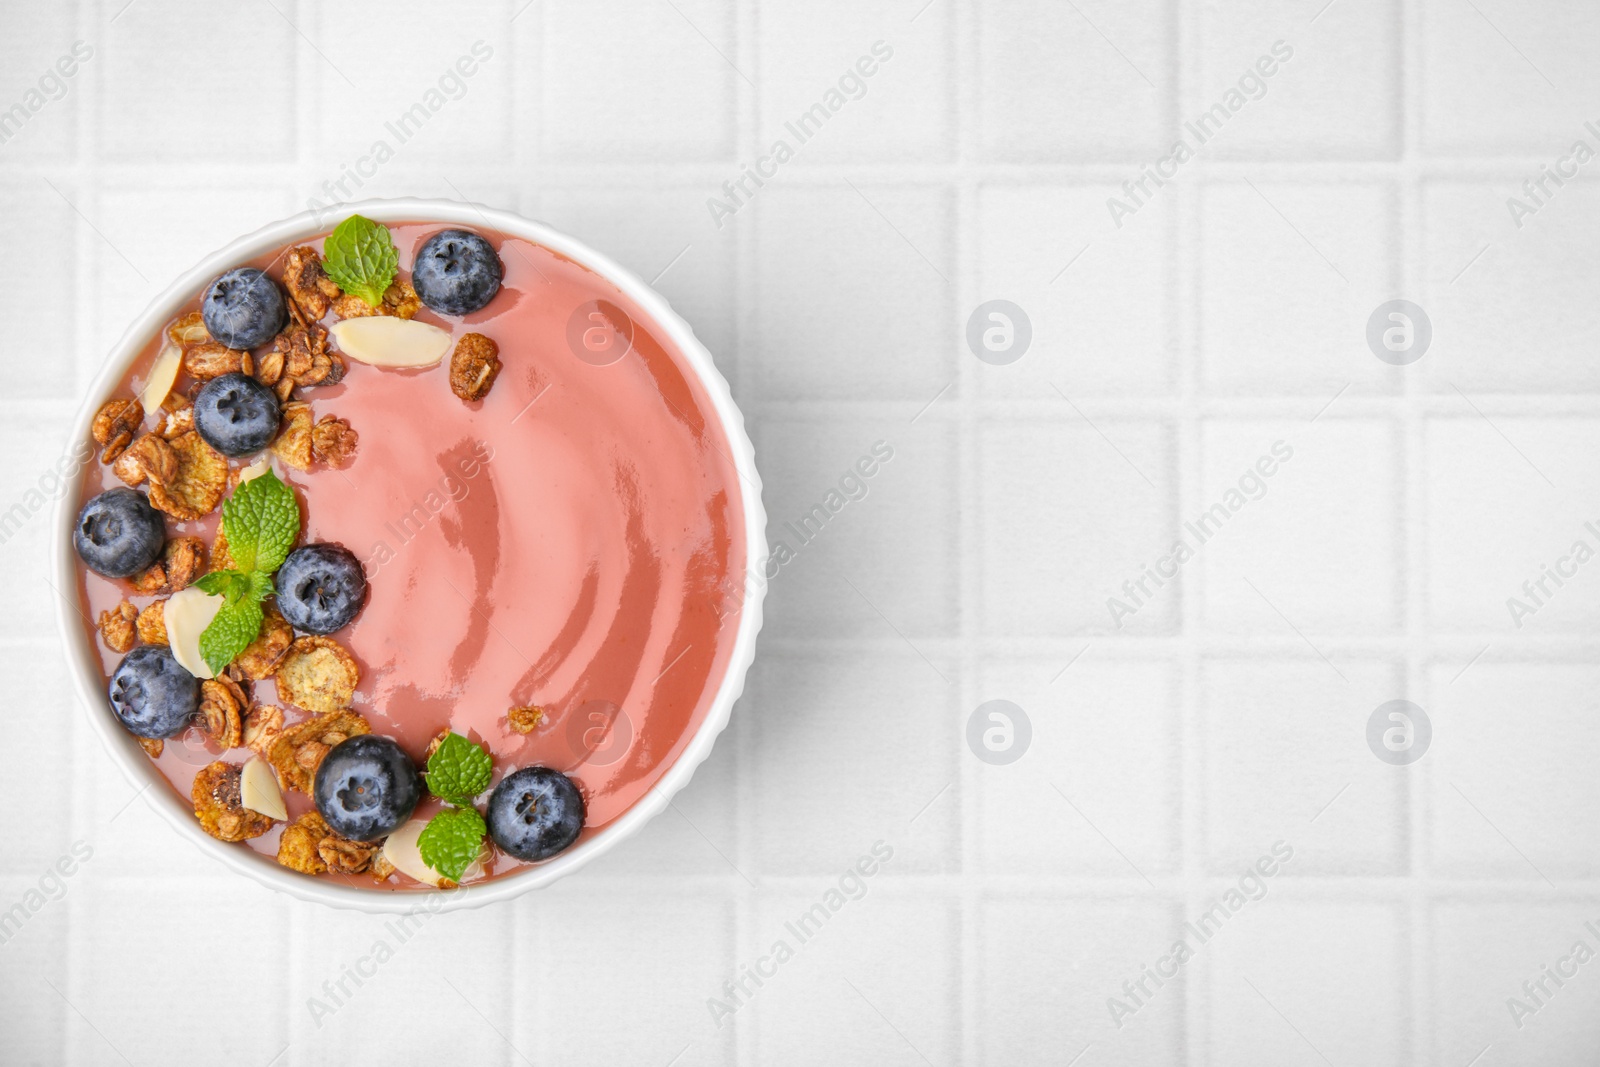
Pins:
<point x="474" y="366"/>
<point x="310" y="846"/>
<point x="298" y="751"/>
<point x="219" y="806"/>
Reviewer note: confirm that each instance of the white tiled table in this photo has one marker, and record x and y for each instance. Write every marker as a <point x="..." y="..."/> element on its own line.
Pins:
<point x="1168" y="354"/>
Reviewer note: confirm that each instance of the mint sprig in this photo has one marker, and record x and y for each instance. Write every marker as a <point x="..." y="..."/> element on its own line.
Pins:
<point x="452" y="840"/>
<point x="458" y="770"/>
<point x="359" y="255"/>
<point x="456" y="773"/>
<point x="261" y="521"/>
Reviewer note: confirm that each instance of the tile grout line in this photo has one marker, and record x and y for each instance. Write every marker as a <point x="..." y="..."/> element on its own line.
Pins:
<point x="1413" y="516"/>
<point x="965" y="291"/>
<point x="1187" y="471"/>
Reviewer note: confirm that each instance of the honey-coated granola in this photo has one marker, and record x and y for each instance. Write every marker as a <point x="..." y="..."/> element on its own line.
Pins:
<point x="299" y="750"/>
<point x="474" y="366"/>
<point x="152" y="623"/>
<point x="399" y="300"/>
<point x="218" y="807"/>
<point x="149" y="456"/>
<point x="308" y="284"/>
<point x="114" y="426"/>
<point x="333" y="441"/>
<point x="261" y="657"/>
<point x="118" y="627"/>
<point x="188" y="330"/>
<point x="293" y="443"/>
<point x="262" y="726"/>
<point x="524" y="720"/>
<point x="317" y="674"/>
<point x="222" y="705"/>
<point x="298" y="847"/>
<point x="212" y="359"/>
<point x="197" y="488"/>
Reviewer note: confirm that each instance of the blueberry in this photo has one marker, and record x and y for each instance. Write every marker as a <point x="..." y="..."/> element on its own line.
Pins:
<point x="367" y="787"/>
<point x="321" y="587"/>
<point x="118" y="533"/>
<point x="237" y="415"/>
<point x="151" y="694"/>
<point x="535" y="813"/>
<point x="456" y="272"/>
<point x="243" y="309"/>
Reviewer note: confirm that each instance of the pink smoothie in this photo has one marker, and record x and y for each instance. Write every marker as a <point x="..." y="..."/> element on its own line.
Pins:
<point x="566" y="542"/>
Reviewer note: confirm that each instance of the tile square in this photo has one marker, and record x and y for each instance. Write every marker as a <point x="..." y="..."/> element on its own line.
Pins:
<point x="151" y="108"/>
<point x="621" y="82"/>
<point x="1102" y="323"/>
<point x="40" y="289"/>
<point x="1504" y="78"/>
<point x="828" y="329"/>
<point x="663" y="955"/>
<point x="1319" y="540"/>
<point x="1098" y="791"/>
<point x="46" y="81"/>
<point x="1289" y="275"/>
<point x="1483" y="952"/>
<point x="820" y="53"/>
<point x="857" y="555"/>
<point x="1336" y="96"/>
<point x="35" y="941"/>
<point x="444" y="97"/>
<point x="1511" y="770"/>
<point x="1112" y="102"/>
<point x="878" y="729"/>
<point x="363" y="975"/>
<point x="1093" y="518"/>
<point x="134" y="1016"/>
<point x="1315" y="965"/>
<point x="1494" y="523"/>
<point x="1049" y="967"/>
<point x="41" y="785"/>
<point x="1286" y="759"/>
<point x="880" y="974"/>
<point x="1505" y="301"/>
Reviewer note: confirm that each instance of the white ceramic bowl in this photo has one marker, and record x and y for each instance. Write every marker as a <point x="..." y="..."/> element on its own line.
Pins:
<point x="85" y="662"/>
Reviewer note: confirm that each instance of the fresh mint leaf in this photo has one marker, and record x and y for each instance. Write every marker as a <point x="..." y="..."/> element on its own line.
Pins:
<point x="230" y="633"/>
<point x="261" y="520"/>
<point x="359" y="255"/>
<point x="458" y="770"/>
<point x="452" y="840"/>
<point x="230" y="585"/>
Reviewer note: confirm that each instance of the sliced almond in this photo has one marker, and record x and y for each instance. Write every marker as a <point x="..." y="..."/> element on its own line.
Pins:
<point x="162" y="375"/>
<point x="258" y="790"/>
<point x="400" y="848"/>
<point x="185" y="615"/>
<point x="256" y="469"/>
<point x="387" y="341"/>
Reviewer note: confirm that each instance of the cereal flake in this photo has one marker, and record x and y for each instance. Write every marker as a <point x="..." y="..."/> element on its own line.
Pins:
<point x="197" y="488"/>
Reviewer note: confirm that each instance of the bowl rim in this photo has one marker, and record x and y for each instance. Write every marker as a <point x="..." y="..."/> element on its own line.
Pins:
<point x="84" y="660"/>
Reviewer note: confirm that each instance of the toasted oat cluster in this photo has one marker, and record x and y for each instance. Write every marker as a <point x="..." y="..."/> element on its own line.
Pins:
<point x="298" y="751"/>
<point x="218" y="804"/>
